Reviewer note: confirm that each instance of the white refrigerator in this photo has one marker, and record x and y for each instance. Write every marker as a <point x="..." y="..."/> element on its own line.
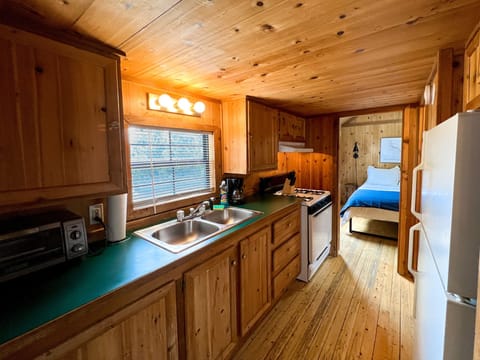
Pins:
<point x="449" y="239"/>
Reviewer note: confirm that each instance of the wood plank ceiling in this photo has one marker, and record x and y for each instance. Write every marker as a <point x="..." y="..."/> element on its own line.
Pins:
<point x="306" y="56"/>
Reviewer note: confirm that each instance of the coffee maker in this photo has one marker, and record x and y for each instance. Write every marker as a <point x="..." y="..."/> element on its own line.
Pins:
<point x="235" y="190"/>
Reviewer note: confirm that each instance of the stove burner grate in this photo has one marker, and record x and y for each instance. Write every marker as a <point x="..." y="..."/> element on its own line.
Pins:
<point x="309" y="191"/>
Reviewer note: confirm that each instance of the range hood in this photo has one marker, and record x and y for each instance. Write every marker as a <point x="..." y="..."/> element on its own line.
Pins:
<point x="290" y="146"/>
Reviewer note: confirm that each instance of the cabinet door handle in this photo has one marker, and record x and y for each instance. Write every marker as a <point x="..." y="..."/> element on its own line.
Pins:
<point x="244" y="256"/>
<point x="234" y="262"/>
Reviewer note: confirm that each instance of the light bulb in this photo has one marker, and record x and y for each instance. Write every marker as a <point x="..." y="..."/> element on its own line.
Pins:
<point x="199" y="107"/>
<point x="184" y="105"/>
<point x="165" y="101"/>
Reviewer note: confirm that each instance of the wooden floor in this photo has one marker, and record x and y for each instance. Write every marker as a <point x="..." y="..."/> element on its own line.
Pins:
<point x="356" y="307"/>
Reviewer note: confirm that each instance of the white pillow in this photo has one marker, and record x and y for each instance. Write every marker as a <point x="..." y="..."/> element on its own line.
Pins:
<point x="385" y="177"/>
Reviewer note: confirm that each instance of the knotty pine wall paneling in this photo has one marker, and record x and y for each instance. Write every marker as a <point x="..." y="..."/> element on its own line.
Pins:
<point x="367" y="131"/>
<point x="322" y="134"/>
<point x="410" y="159"/>
<point x="136" y="113"/>
<point x="443" y="95"/>
<point x="457" y="84"/>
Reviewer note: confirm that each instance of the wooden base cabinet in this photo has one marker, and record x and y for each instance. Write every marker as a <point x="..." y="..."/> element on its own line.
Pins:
<point x="226" y="289"/>
<point x="286" y="245"/>
<point x="255" y="296"/>
<point x="146" y="329"/>
<point x="210" y="307"/>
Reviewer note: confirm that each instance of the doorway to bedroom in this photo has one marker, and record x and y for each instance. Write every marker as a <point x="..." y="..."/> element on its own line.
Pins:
<point x="369" y="173"/>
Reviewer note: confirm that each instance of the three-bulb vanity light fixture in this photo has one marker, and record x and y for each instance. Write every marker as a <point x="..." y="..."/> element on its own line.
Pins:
<point x="167" y="103"/>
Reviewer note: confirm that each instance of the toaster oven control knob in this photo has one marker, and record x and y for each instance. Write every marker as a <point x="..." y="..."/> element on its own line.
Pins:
<point x="78" y="248"/>
<point x="75" y="235"/>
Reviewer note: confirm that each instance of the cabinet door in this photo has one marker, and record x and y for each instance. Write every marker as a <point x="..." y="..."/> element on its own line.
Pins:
<point x="146" y="329"/>
<point x="255" y="296"/>
<point x="234" y="137"/>
<point x="210" y="307"/>
<point x="291" y="127"/>
<point x="262" y="136"/>
<point x="471" y="87"/>
<point x="62" y="120"/>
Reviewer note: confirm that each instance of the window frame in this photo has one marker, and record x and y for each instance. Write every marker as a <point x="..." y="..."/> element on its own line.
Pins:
<point x="181" y="201"/>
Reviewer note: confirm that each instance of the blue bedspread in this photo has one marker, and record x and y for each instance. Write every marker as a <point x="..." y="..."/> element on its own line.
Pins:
<point x="388" y="200"/>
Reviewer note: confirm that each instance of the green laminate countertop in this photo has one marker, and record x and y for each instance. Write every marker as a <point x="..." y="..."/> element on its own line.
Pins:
<point x="31" y="301"/>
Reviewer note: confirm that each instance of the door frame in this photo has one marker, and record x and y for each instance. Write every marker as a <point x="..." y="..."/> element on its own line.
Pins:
<point x="411" y="144"/>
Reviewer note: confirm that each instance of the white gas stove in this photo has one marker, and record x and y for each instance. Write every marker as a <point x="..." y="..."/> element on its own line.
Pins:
<point x="316" y="229"/>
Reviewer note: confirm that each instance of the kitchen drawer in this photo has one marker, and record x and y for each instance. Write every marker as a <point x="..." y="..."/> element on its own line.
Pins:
<point x="284" y="253"/>
<point x="285" y="228"/>
<point x="285" y="277"/>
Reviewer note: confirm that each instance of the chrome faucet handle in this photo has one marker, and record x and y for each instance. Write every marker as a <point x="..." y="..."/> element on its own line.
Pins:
<point x="180" y="215"/>
<point x="211" y="201"/>
<point x="191" y="211"/>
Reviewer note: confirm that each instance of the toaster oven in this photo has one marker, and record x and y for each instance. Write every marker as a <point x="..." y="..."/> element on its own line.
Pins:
<point x="36" y="241"/>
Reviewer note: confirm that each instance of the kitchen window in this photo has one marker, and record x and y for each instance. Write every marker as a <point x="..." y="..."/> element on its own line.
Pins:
<point x="169" y="164"/>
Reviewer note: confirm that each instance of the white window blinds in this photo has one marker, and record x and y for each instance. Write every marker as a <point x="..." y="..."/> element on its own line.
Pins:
<point x="168" y="164"/>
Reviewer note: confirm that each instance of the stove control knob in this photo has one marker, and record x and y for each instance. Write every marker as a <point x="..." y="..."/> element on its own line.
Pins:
<point x="75" y="235"/>
<point x="78" y="248"/>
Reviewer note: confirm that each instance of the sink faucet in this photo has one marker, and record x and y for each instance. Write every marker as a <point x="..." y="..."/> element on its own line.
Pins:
<point x="198" y="211"/>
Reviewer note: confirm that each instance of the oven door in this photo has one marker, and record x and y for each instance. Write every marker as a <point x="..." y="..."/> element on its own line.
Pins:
<point x="319" y="232"/>
<point x="30" y="250"/>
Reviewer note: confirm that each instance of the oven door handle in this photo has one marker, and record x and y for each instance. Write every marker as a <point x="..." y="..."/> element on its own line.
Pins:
<point x="24" y="253"/>
<point x="26" y="232"/>
<point x="321" y="210"/>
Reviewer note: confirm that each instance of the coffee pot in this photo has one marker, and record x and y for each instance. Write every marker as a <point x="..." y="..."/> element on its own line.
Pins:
<point x="235" y="191"/>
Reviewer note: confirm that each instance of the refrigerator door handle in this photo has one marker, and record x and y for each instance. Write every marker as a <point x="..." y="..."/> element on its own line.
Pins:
<point x="471" y="303"/>
<point x="416" y="169"/>
<point x="414" y="191"/>
<point x="416" y="227"/>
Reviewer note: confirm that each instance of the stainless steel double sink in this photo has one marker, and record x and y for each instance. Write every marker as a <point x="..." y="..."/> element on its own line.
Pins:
<point x="177" y="236"/>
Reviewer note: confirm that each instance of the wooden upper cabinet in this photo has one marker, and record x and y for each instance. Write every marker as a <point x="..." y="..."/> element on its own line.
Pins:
<point x="249" y="137"/>
<point x="291" y="127"/>
<point x="471" y="87"/>
<point x="210" y="307"/>
<point x="262" y="136"/>
<point x="62" y="127"/>
<point x="255" y="278"/>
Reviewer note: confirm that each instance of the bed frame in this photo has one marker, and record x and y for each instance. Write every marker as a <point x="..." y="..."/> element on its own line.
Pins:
<point x="370" y="213"/>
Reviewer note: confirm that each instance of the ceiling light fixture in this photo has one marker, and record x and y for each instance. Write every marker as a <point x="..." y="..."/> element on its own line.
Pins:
<point x="167" y="103"/>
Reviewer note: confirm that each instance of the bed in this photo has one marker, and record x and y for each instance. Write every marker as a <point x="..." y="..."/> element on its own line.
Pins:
<point x="378" y="198"/>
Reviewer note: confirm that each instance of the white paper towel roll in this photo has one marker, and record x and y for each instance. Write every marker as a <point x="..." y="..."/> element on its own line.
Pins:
<point x="117" y="217"/>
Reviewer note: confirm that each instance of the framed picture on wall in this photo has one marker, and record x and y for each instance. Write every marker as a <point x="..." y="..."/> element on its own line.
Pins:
<point x="390" y="149"/>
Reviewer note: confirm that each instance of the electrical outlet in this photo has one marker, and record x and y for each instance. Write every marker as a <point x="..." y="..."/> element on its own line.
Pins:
<point x="95" y="211"/>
